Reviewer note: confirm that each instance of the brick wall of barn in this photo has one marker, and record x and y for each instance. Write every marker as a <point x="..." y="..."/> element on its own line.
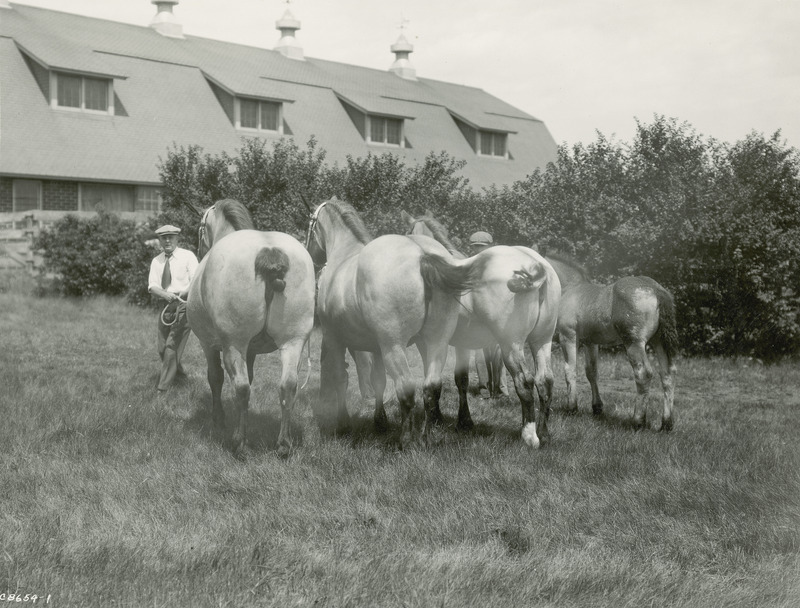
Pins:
<point x="56" y="195"/>
<point x="60" y="196"/>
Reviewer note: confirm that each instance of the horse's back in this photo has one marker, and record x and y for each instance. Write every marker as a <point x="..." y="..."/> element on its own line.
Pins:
<point x="227" y="299"/>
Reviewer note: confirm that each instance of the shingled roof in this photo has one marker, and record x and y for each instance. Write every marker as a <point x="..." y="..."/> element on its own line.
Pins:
<point x="165" y="91"/>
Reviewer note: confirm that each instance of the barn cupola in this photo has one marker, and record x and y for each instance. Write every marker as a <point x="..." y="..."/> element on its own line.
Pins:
<point x="402" y="49"/>
<point x="165" y="22"/>
<point x="288" y="45"/>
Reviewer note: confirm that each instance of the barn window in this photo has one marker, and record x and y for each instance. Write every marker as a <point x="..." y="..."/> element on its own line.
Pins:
<point x="83" y="93"/>
<point x="259" y="115"/>
<point x="27" y="194"/>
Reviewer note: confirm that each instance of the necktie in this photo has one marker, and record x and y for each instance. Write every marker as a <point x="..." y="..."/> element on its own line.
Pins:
<point x="166" y="277"/>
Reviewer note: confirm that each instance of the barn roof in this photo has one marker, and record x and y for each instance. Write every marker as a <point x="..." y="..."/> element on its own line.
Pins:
<point x="165" y="95"/>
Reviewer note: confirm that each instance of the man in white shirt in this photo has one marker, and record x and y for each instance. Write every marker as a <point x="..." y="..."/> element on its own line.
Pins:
<point x="170" y="274"/>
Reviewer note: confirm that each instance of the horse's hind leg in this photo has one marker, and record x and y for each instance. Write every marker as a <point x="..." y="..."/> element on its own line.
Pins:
<point x="592" y="353"/>
<point x="216" y="379"/>
<point x="436" y="413"/>
<point x="514" y="358"/>
<point x="543" y="379"/>
<point x="236" y="367"/>
<point x="666" y="368"/>
<point x="643" y="374"/>
<point x="333" y="383"/>
<point x="396" y="363"/>
<point x="461" y="376"/>
<point x="290" y="358"/>
<point x="378" y="381"/>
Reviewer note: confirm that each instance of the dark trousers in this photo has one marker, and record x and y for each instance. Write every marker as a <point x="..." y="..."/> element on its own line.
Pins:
<point x="171" y="342"/>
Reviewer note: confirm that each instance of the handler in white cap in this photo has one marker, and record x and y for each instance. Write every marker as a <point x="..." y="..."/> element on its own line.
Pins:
<point x="170" y="274"/>
<point x="490" y="367"/>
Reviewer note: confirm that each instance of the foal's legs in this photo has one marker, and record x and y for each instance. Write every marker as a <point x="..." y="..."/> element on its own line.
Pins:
<point x="290" y="358"/>
<point x="642" y="373"/>
<point x="666" y="367"/>
<point x="514" y="358"/>
<point x="569" y="346"/>
<point x="592" y="352"/>
<point x="461" y="376"/>
<point x="236" y="367"/>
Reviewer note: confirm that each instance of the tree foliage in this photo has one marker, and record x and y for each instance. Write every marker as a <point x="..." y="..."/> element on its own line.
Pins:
<point x="717" y="224"/>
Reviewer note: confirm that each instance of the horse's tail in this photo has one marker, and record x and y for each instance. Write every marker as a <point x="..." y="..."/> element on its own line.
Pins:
<point x="667" y="327"/>
<point x="271" y="265"/>
<point x="528" y="279"/>
<point x="454" y="278"/>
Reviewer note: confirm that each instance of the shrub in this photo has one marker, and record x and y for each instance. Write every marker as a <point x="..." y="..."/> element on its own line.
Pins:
<point x="102" y="254"/>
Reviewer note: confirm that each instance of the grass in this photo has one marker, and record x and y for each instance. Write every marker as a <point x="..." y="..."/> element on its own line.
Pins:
<point x="112" y="497"/>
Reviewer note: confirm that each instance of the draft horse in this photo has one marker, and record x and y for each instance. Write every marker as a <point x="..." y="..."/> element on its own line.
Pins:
<point x="380" y="296"/>
<point x="253" y="293"/>
<point x="514" y="301"/>
<point x="634" y="312"/>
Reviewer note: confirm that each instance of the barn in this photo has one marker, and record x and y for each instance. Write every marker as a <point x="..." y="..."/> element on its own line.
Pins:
<point x="88" y="106"/>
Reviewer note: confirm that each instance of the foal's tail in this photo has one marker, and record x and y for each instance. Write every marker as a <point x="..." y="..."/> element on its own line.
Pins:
<point x="454" y="278"/>
<point x="271" y="265"/>
<point x="667" y="328"/>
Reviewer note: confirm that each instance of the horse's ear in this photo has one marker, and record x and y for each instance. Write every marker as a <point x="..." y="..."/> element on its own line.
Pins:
<point x="305" y="202"/>
<point x="406" y="217"/>
<point x="428" y="212"/>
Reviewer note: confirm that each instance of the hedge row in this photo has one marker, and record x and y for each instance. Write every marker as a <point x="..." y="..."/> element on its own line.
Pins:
<point x="717" y="224"/>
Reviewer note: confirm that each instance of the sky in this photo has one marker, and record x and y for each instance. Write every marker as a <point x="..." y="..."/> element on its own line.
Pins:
<point x="725" y="67"/>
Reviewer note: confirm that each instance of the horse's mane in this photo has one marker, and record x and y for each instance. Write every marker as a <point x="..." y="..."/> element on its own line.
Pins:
<point x="235" y="213"/>
<point x="351" y="219"/>
<point x="439" y="233"/>
<point x="567" y="260"/>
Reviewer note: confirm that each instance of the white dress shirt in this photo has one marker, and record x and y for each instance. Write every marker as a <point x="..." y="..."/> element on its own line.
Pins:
<point x="182" y="266"/>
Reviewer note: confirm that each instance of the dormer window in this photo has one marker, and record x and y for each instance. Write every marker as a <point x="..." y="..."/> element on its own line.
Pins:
<point x="258" y="114"/>
<point x="82" y="93"/>
<point x="492" y="143"/>
<point x="483" y="141"/>
<point x="377" y="128"/>
<point x="385" y="130"/>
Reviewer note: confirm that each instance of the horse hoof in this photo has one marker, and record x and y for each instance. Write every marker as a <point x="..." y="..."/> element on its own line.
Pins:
<point x="597" y="410"/>
<point x="529" y="435"/>
<point x="284" y="451"/>
<point x="571" y="411"/>
<point x="381" y="423"/>
<point x="667" y="425"/>
<point x="465" y="424"/>
<point x="638" y="424"/>
<point x="437" y="417"/>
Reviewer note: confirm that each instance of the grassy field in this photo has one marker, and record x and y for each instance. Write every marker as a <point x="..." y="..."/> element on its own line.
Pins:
<point x="112" y="497"/>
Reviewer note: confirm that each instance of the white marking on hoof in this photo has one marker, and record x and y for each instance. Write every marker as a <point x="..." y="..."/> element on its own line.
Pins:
<point x="529" y="435"/>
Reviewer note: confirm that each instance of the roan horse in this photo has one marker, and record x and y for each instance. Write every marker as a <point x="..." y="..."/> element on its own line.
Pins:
<point x="380" y="296"/>
<point x="515" y="301"/>
<point x="634" y="312"/>
<point x="253" y="293"/>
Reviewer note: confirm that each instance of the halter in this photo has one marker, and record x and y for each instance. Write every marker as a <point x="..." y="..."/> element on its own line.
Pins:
<point x="201" y="233"/>
<point x="312" y="223"/>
